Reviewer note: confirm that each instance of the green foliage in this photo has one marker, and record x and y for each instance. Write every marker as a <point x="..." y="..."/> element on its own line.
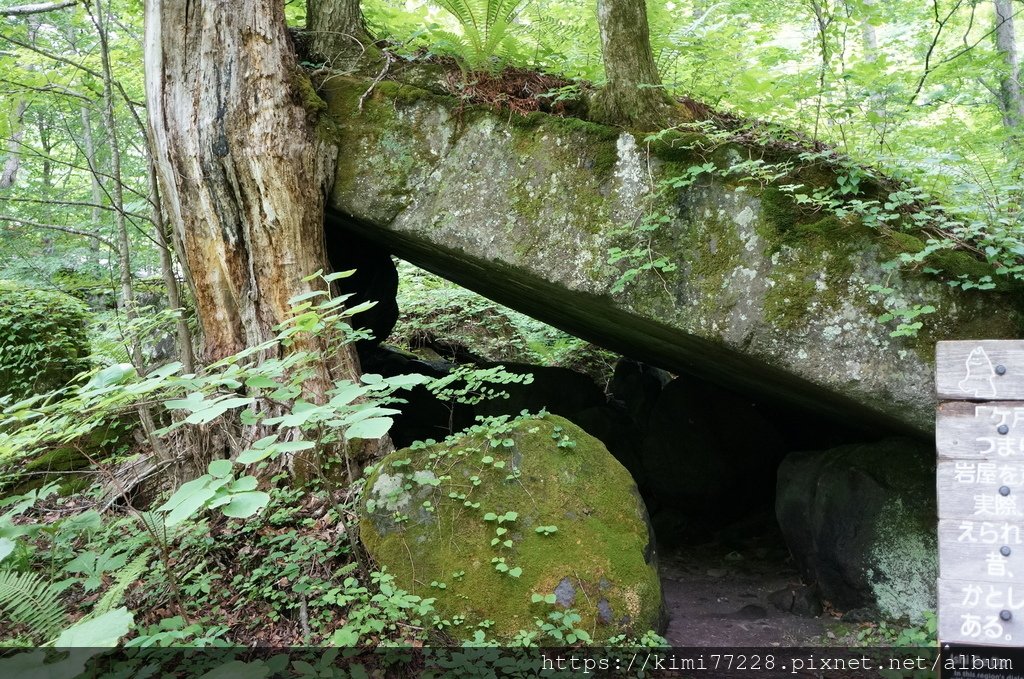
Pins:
<point x="485" y="32"/>
<point x="43" y="342"/>
<point x="29" y="599"/>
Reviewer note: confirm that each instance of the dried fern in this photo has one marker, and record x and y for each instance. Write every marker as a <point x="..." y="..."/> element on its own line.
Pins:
<point x="28" y="599"/>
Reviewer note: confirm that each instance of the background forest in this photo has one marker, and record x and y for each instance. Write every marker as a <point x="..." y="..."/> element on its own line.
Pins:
<point x="924" y="93"/>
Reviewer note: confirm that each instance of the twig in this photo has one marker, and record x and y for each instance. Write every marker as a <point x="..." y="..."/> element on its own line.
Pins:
<point x="380" y="76"/>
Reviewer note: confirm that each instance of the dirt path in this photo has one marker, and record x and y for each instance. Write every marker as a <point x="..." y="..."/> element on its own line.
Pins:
<point x="718" y="595"/>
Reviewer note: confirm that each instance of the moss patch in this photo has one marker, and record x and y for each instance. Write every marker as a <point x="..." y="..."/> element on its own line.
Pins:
<point x="431" y="515"/>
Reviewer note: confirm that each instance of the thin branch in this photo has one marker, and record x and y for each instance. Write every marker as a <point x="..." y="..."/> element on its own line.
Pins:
<point x="52" y="88"/>
<point x="76" y="203"/>
<point x="38" y="8"/>
<point x="57" y="227"/>
<point x="132" y="104"/>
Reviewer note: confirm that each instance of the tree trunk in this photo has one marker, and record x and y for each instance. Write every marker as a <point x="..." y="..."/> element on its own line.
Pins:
<point x="13" y="161"/>
<point x="633" y="94"/>
<point x="89" y="146"/>
<point x="1010" y="102"/>
<point x="338" y="32"/>
<point x="243" y="174"/>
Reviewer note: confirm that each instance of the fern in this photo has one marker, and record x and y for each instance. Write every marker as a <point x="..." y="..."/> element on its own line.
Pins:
<point x="485" y="30"/>
<point x="30" y="600"/>
<point x="123" y="579"/>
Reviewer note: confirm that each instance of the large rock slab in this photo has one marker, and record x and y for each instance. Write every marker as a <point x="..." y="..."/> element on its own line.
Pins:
<point x="764" y="296"/>
<point x="483" y="528"/>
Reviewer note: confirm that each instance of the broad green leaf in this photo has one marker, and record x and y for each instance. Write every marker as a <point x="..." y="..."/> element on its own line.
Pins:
<point x="243" y="505"/>
<point x="103" y="631"/>
<point x="219" y="468"/>
<point x="372" y="428"/>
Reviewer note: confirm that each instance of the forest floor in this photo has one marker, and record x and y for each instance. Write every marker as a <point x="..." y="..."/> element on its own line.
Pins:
<point x="717" y="595"/>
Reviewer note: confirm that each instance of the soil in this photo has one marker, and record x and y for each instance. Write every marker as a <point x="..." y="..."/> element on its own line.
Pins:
<point x="717" y="595"/>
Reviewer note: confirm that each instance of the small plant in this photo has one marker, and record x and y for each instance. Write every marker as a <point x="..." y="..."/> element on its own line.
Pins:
<point x="561" y="626"/>
<point x="486" y="31"/>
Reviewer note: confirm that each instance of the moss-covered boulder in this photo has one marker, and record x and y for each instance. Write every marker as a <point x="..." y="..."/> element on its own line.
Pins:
<point x="552" y="215"/>
<point x="860" y="521"/>
<point x="43" y="340"/>
<point x="494" y="522"/>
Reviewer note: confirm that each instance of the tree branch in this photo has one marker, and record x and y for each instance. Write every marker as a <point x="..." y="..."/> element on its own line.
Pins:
<point x="38" y="8"/>
<point x="57" y="227"/>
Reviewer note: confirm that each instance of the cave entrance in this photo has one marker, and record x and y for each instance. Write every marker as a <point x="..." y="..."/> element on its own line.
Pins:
<point x="706" y="458"/>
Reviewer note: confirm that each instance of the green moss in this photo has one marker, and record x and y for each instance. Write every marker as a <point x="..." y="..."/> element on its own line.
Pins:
<point x="778" y="209"/>
<point x="43" y="341"/>
<point x="599" y="547"/>
<point x="905" y="242"/>
<point x="307" y="94"/>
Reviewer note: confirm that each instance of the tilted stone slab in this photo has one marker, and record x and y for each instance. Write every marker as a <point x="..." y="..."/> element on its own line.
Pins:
<point x="764" y="296"/>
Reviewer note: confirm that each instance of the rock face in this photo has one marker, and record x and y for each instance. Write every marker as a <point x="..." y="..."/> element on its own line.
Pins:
<point x="477" y="518"/>
<point x="763" y="296"/>
<point x="860" y="521"/>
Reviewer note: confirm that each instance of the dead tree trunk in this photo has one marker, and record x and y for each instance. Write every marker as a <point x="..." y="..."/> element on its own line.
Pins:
<point x="243" y="173"/>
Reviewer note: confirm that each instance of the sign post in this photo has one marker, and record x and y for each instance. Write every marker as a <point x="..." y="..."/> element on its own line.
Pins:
<point x="979" y="435"/>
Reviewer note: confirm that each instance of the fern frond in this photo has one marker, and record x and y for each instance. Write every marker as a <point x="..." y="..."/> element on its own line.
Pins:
<point x="123" y="579"/>
<point x="28" y="599"/>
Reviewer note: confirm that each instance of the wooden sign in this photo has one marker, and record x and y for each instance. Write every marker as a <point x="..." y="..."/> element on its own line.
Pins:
<point x="979" y="440"/>
<point x="965" y="430"/>
<point x="980" y="612"/>
<point x="974" y="550"/>
<point x="985" y="370"/>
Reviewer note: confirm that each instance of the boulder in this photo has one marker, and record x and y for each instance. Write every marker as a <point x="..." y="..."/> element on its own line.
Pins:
<point x="43" y="340"/>
<point x="860" y="522"/>
<point x="438" y="518"/>
<point x="638" y="386"/>
<point x="541" y="213"/>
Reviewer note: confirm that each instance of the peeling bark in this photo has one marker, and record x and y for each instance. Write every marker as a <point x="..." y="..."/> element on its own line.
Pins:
<point x="242" y="172"/>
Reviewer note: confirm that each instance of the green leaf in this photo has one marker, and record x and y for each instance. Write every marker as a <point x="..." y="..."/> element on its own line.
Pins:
<point x="6" y="547"/>
<point x="244" y="505"/>
<point x="261" y="382"/>
<point x="219" y="468"/>
<point x="371" y="428"/>
<point x="103" y="631"/>
<point x="243" y="484"/>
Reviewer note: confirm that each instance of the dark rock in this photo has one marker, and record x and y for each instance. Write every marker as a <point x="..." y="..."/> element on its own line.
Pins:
<point x="798" y="600"/>
<point x="860" y="523"/>
<point x="859" y="615"/>
<point x="638" y="386"/>
<point x="423" y="416"/>
<point x="565" y="593"/>
<point x="560" y="390"/>
<point x="619" y="433"/>
<point x="708" y="452"/>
